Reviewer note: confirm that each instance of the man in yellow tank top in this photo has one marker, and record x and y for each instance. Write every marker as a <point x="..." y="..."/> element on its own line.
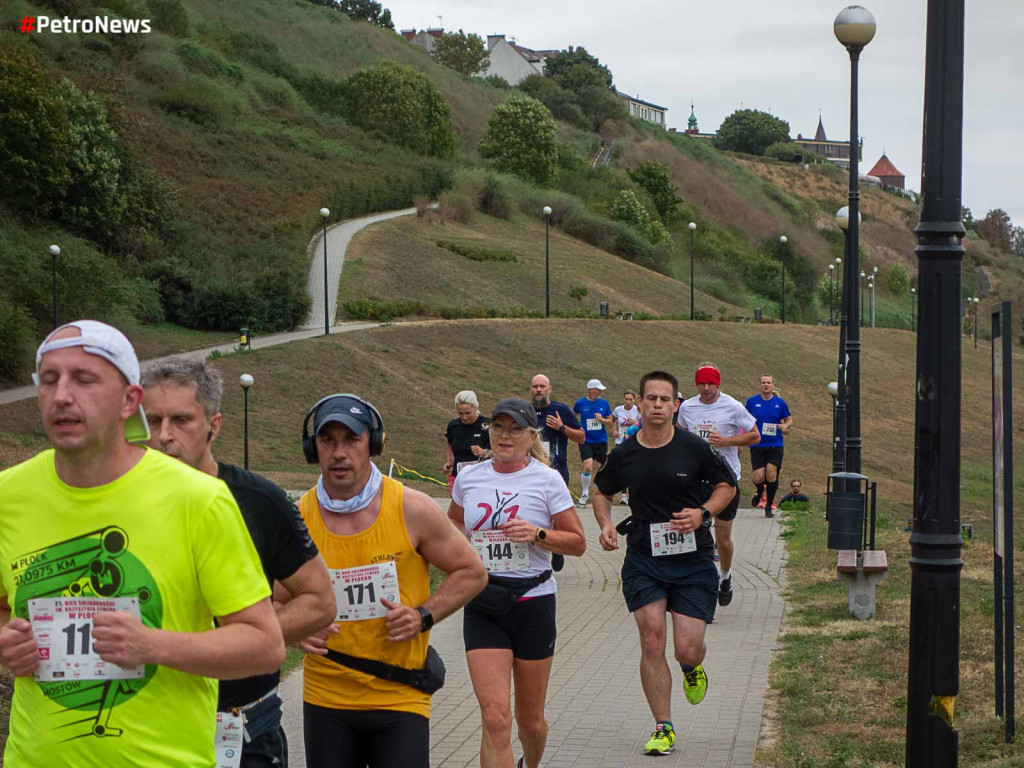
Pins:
<point x="378" y="539"/>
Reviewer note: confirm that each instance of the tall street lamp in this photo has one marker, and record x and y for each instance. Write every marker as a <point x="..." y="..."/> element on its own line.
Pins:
<point x="831" y="294"/>
<point x="693" y="229"/>
<point x="933" y="678"/>
<point x="782" y="258"/>
<point x="54" y="253"/>
<point x="871" y="285"/>
<point x="837" y="453"/>
<point x="862" y="298"/>
<point x="854" y="27"/>
<point x="976" y="301"/>
<point x="245" y="381"/>
<point x="913" y="309"/>
<point x="547" y="261"/>
<point x="325" y="213"/>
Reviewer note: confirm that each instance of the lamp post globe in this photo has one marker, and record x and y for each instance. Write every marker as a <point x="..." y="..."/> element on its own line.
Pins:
<point x="692" y="226"/>
<point x="547" y="260"/>
<point x="854" y="26"/>
<point x="833" y="389"/>
<point x="325" y="212"/>
<point x="245" y="380"/>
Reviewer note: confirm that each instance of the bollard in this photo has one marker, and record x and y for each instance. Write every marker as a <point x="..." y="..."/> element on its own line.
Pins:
<point x="244" y="339"/>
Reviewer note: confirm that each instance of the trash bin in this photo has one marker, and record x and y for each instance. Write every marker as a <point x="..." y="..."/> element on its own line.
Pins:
<point x="847" y="510"/>
<point x="757" y="314"/>
<point x="604" y="309"/>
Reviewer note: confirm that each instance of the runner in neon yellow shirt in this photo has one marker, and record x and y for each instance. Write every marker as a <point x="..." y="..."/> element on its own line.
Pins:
<point x="114" y="561"/>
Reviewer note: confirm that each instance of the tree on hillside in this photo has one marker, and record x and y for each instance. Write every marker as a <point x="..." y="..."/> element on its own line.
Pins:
<point x="466" y="54"/>
<point x="562" y="103"/>
<point x="627" y="208"/>
<point x="402" y="105"/>
<point x="521" y="139"/>
<point x="897" y="279"/>
<point x="576" y="69"/>
<point x="996" y="228"/>
<point x="656" y="179"/>
<point x="1017" y="242"/>
<point x="751" y="131"/>
<point x="362" y="10"/>
<point x="601" y="105"/>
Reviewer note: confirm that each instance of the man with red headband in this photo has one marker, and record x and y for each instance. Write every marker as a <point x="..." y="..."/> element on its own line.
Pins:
<point x="726" y="425"/>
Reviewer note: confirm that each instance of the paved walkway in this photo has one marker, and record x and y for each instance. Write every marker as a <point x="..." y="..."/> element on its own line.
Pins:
<point x="596" y="708"/>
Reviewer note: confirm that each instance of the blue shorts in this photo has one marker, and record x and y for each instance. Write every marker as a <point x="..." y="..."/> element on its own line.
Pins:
<point x="688" y="585"/>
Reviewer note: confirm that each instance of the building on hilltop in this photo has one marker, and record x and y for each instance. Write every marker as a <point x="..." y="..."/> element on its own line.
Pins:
<point x="887" y="174"/>
<point x="837" y="152"/>
<point x="515" y="62"/>
<point x="692" y="130"/>
<point x="644" y="110"/>
<point x="424" y="38"/>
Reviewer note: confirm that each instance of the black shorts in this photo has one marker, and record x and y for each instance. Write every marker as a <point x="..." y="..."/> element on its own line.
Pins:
<point x="379" y="738"/>
<point x="761" y="457"/>
<point x="596" y="451"/>
<point x="689" y="585"/>
<point x="729" y="513"/>
<point x="527" y="629"/>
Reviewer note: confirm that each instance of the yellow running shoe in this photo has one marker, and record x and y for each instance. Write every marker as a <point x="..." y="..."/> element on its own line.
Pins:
<point x="662" y="741"/>
<point x="695" y="684"/>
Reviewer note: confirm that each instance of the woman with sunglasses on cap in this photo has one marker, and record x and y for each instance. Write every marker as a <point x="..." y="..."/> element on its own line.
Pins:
<point x="516" y="511"/>
<point x="466" y="438"/>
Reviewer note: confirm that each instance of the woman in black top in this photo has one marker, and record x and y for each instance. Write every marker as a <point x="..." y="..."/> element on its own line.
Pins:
<point x="467" y="437"/>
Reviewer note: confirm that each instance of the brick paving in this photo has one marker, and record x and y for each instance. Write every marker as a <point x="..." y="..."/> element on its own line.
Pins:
<point x="596" y="708"/>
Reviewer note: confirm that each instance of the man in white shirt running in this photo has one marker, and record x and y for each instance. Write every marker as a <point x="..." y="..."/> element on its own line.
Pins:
<point x="726" y="425"/>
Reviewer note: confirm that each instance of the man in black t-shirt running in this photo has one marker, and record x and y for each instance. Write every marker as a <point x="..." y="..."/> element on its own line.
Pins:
<point x="668" y="564"/>
<point x="182" y="404"/>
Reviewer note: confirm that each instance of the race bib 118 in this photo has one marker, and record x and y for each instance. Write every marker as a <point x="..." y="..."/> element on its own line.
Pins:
<point x="358" y="591"/>
<point x="666" y="540"/>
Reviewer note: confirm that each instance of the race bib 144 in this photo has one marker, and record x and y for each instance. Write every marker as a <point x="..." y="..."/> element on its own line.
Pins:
<point x="499" y="555"/>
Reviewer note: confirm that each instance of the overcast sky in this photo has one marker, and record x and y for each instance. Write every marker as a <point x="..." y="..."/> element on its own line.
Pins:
<point x="784" y="57"/>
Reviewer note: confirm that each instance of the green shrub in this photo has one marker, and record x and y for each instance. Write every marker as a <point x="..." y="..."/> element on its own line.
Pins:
<point x="401" y="104"/>
<point x="495" y="81"/>
<point x="17" y="340"/>
<point x="207" y="61"/>
<point x="897" y="279"/>
<point x="493" y="200"/>
<point x="474" y="253"/>
<point x="656" y="179"/>
<point x="521" y="139"/>
<point x="169" y="16"/>
<point x="578" y="292"/>
<point x="455" y="206"/>
<point x="194" y="101"/>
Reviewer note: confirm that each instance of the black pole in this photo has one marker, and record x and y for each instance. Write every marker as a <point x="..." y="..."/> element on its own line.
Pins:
<point x="691" y="273"/>
<point x="245" y="461"/>
<point x="861" y="299"/>
<point x="933" y="679"/>
<point x="327" y="309"/>
<point x="843" y="395"/>
<point x="547" y="266"/>
<point x="53" y="267"/>
<point x="975" y="325"/>
<point x="913" y="311"/>
<point x="783" y="286"/>
<point x="831" y="295"/>
<point x="852" y="267"/>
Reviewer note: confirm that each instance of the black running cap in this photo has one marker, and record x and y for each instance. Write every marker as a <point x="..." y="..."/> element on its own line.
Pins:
<point x="521" y="412"/>
<point x="343" y="410"/>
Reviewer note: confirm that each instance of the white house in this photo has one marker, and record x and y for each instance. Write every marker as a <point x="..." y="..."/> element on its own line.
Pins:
<point x="424" y="38"/>
<point x="644" y="110"/>
<point x="512" y="61"/>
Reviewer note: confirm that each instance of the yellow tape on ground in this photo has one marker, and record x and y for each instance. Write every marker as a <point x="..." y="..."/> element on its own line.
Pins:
<point x="403" y="471"/>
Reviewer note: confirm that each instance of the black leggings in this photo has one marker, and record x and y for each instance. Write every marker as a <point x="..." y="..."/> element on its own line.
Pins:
<point x="349" y="738"/>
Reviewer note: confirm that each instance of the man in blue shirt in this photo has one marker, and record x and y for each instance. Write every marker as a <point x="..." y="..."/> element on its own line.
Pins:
<point x="558" y="425"/>
<point x="594" y="412"/>
<point x="773" y="422"/>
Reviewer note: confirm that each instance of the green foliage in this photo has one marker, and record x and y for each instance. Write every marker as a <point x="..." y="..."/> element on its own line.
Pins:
<point x="17" y="340"/>
<point x="996" y="228"/>
<point x="628" y="209"/>
<point x="563" y="104"/>
<point x="475" y="253"/>
<point x="401" y="104"/>
<point x="34" y="143"/>
<point x="365" y="10"/>
<point x="493" y="200"/>
<point x="207" y="61"/>
<point x="466" y="54"/>
<point x="521" y="139"/>
<point x="656" y="179"/>
<point x="576" y="70"/>
<point x="170" y="17"/>
<point x="601" y="105"/>
<point x="578" y="292"/>
<point x="825" y="287"/>
<point x="751" y="131"/>
<point x="897" y="279"/>
<point x="495" y="81"/>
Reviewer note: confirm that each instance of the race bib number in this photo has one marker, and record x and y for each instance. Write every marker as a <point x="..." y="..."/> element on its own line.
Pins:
<point x="769" y="430"/>
<point x="463" y="464"/>
<point x="593" y="425"/>
<point x="63" y="630"/>
<point x="499" y="555"/>
<point x="228" y="739"/>
<point x="666" y="540"/>
<point x="705" y="430"/>
<point x="358" y="591"/>
<point x="547" y="448"/>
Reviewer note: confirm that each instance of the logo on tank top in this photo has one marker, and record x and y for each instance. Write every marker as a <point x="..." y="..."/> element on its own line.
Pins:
<point x="396" y="556"/>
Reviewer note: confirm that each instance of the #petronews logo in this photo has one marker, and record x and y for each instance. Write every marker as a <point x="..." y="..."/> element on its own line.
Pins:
<point x="96" y="25"/>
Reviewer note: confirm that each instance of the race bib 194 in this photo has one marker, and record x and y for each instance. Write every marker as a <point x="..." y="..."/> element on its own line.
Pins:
<point x="63" y="630"/>
<point x="358" y="591"/>
<point x="666" y="540"/>
<point x="498" y="554"/>
<point x="769" y="430"/>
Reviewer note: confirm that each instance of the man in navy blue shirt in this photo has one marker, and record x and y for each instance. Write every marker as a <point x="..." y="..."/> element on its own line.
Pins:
<point x="773" y="422"/>
<point x="594" y="412"/>
<point x="558" y="425"/>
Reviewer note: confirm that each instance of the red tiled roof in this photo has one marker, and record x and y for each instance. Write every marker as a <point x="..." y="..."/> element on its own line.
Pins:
<point x="884" y="167"/>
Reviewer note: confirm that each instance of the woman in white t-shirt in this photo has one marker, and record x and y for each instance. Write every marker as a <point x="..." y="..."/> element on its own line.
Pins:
<point x="516" y="511"/>
<point x="626" y="415"/>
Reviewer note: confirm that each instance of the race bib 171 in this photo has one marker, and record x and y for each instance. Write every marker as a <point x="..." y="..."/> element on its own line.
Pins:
<point x="358" y="591"/>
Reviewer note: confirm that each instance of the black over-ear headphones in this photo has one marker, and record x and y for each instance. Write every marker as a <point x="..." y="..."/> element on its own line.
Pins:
<point x="377" y="435"/>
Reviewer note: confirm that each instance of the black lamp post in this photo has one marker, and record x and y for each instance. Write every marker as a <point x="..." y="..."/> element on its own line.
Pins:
<point x="913" y="309"/>
<point x="871" y="305"/>
<point x="245" y="381"/>
<point x="54" y="253"/>
<point x="693" y="229"/>
<point x="831" y="295"/>
<point x="325" y="213"/>
<point x="782" y="258"/>
<point x="854" y="27"/>
<point x="837" y="452"/>
<point x="933" y="679"/>
<point x="547" y="261"/>
<point x="862" y="298"/>
<point x="976" y="301"/>
<point x="843" y="376"/>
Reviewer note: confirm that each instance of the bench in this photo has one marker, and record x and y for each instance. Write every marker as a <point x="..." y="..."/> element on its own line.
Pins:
<point x="862" y="571"/>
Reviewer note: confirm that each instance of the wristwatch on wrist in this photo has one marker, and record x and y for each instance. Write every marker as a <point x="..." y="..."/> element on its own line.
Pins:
<point x="541" y="534"/>
<point x="428" y="619"/>
<point x="705" y="513"/>
<point x="562" y="429"/>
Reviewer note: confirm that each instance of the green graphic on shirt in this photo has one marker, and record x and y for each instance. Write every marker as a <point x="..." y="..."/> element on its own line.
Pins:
<point x="96" y="564"/>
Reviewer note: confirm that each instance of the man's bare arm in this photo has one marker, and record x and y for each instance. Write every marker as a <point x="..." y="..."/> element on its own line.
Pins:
<point x="306" y="605"/>
<point x="602" y="513"/>
<point x="576" y="435"/>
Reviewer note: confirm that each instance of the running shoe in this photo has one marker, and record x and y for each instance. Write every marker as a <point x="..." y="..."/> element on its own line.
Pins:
<point x="762" y="502"/>
<point x="769" y="513"/>
<point x="662" y="740"/>
<point x="695" y="684"/>
<point x="755" y="499"/>
<point x="582" y="502"/>
<point x="725" y="592"/>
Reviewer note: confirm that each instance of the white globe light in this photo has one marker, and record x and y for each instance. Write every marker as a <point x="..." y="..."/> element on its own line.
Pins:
<point x="691" y="225"/>
<point x="783" y="239"/>
<point x="325" y="212"/>
<point x="55" y="250"/>
<point x="245" y="380"/>
<point x="854" y="27"/>
<point x="833" y="388"/>
<point x="547" y="210"/>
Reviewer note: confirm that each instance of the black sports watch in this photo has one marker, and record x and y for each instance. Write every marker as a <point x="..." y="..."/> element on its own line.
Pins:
<point x="705" y="513"/>
<point x="428" y="619"/>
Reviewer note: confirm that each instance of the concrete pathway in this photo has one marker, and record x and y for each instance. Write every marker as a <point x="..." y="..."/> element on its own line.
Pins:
<point x="596" y="707"/>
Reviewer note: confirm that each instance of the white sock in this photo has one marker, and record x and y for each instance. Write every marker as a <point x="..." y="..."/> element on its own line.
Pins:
<point x="726" y="574"/>
<point x="586" y="484"/>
